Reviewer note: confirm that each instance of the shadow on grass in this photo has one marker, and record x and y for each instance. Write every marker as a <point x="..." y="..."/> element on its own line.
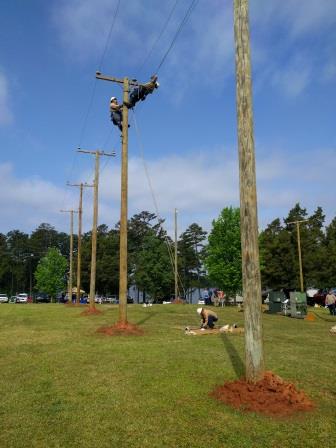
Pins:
<point x="149" y="316"/>
<point x="236" y="361"/>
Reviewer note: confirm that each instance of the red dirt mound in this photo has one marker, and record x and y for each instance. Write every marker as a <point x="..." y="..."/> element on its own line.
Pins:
<point x="178" y="301"/>
<point x="271" y="396"/>
<point x="119" y="329"/>
<point x="91" y="312"/>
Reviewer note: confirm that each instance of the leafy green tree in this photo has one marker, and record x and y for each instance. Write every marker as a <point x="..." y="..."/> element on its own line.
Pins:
<point x="107" y="263"/>
<point x="279" y="250"/>
<point x="223" y="254"/>
<point x="329" y="261"/>
<point x="190" y="249"/>
<point x="18" y="249"/>
<point x="5" y="272"/>
<point x="276" y="256"/>
<point x="50" y="274"/>
<point x="153" y="272"/>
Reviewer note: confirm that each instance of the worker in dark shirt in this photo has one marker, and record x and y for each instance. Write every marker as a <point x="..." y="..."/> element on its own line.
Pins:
<point x="140" y="92"/>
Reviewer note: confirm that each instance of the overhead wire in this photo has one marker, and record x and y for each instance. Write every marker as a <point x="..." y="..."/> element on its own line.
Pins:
<point x="183" y="22"/>
<point x="170" y="252"/>
<point x="163" y="29"/>
<point x="93" y="91"/>
<point x="109" y="35"/>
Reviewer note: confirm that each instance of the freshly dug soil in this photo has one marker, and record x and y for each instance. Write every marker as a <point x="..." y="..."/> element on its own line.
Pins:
<point x="271" y="396"/>
<point x="91" y="311"/>
<point x="178" y="301"/>
<point x="119" y="329"/>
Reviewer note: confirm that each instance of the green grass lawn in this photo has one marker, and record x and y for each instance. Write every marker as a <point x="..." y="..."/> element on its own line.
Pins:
<point x="64" y="385"/>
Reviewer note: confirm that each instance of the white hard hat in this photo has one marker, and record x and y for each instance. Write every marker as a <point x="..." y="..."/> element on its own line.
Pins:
<point x="199" y="310"/>
<point x="113" y="98"/>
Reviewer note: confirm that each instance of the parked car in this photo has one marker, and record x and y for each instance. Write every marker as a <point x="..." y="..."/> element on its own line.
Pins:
<point x="42" y="298"/>
<point x="111" y="299"/>
<point x="22" y="298"/>
<point x="4" y="298"/>
<point x="310" y="292"/>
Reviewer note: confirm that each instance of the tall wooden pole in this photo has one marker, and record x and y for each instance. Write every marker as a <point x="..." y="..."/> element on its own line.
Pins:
<point x="248" y="198"/>
<point x="71" y="257"/>
<point x="175" y="258"/>
<point x="297" y="223"/>
<point x="123" y="210"/>
<point x="124" y="194"/>
<point x="299" y="251"/>
<point x="79" y="244"/>
<point x="70" y="254"/>
<point x="94" y="235"/>
<point x="97" y="155"/>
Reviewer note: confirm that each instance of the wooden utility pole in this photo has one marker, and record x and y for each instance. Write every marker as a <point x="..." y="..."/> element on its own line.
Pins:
<point x="79" y="244"/>
<point x="297" y="223"/>
<point x="175" y="258"/>
<point x="124" y="195"/>
<point x="97" y="155"/>
<point x="248" y="198"/>
<point x="70" y="253"/>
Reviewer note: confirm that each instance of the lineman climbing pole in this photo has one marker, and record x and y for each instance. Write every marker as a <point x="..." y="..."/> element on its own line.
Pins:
<point x="248" y="198"/>
<point x="124" y="195"/>
<point x="97" y="155"/>
<point x="297" y="223"/>
<point x="79" y="244"/>
<point x="71" y="253"/>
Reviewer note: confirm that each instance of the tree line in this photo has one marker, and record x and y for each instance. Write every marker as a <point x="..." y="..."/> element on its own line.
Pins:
<point x="150" y="264"/>
<point x="203" y="260"/>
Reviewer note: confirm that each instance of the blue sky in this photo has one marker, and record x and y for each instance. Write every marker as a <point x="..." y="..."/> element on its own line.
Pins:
<point x="50" y="51"/>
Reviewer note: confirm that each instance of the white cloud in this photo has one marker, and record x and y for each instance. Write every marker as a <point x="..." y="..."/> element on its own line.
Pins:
<point x="198" y="184"/>
<point x="291" y="39"/>
<point x="26" y="202"/>
<point x="294" y="77"/>
<point x="6" y="116"/>
<point x="299" y="17"/>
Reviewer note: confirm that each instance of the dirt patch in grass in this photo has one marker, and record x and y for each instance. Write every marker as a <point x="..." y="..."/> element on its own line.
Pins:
<point x="271" y="396"/>
<point x="73" y="305"/>
<point x="178" y="301"/>
<point x="120" y="329"/>
<point x="91" y="312"/>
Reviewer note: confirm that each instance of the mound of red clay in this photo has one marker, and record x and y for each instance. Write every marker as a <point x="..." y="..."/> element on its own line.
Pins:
<point x="178" y="301"/>
<point x="271" y="396"/>
<point x="90" y="312"/>
<point x="120" y="329"/>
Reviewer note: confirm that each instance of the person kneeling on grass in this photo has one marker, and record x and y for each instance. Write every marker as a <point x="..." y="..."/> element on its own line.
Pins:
<point x="208" y="318"/>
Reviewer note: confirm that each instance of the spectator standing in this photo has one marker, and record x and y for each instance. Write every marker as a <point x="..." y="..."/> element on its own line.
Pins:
<point x="330" y="302"/>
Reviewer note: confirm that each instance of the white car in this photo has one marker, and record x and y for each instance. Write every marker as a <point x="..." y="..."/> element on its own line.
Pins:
<point x="22" y="298"/>
<point x="311" y="292"/>
<point x="3" y="298"/>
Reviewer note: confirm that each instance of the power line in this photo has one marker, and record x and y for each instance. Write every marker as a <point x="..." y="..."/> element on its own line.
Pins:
<point x="184" y="21"/>
<point x="170" y="253"/>
<point x="159" y="36"/>
<point x="93" y="91"/>
<point x="109" y="35"/>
